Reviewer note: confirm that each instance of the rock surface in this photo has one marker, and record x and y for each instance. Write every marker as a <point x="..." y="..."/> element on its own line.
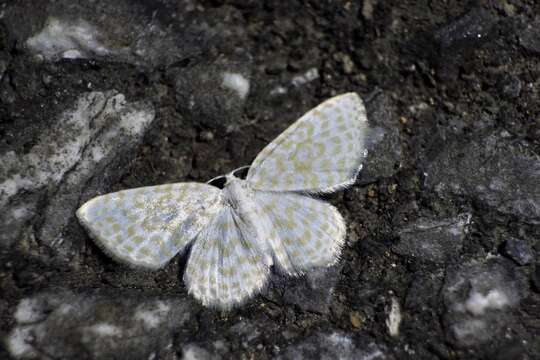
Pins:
<point x="152" y="34"/>
<point x="519" y="250"/>
<point x="479" y="297"/>
<point x="435" y="241"/>
<point x="459" y="38"/>
<point x="441" y="255"/>
<point x="212" y="95"/>
<point x="312" y="292"/>
<point x="384" y="148"/>
<point x="335" y="345"/>
<point x="64" y="324"/>
<point x="68" y="161"/>
<point x="497" y="173"/>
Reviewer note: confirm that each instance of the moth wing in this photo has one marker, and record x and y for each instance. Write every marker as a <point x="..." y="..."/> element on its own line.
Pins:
<point x="225" y="266"/>
<point x="148" y="226"/>
<point x="303" y="232"/>
<point x="320" y="152"/>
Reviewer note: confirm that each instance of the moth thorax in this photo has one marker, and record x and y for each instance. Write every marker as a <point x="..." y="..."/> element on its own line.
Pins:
<point x="237" y="194"/>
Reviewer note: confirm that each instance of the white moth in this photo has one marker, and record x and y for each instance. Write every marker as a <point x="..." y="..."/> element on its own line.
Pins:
<point x="238" y="232"/>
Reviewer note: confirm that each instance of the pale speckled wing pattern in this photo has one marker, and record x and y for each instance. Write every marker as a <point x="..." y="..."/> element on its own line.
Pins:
<point x="320" y="152"/>
<point x="303" y="232"/>
<point x="225" y="266"/>
<point x="148" y="226"/>
<point x="239" y="232"/>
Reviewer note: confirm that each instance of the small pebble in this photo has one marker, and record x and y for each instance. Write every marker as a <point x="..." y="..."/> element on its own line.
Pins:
<point x="356" y="319"/>
<point x="519" y="251"/>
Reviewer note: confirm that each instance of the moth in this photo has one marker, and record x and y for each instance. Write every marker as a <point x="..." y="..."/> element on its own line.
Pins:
<point x="270" y="218"/>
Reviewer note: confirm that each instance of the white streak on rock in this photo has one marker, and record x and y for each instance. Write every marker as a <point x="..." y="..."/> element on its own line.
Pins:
<point x="85" y="136"/>
<point x="308" y="76"/>
<point x="338" y="339"/>
<point x="236" y="82"/>
<point x="29" y="311"/>
<point x="153" y="318"/>
<point x="194" y="352"/>
<point x="105" y="330"/>
<point x="394" y="318"/>
<point x="52" y="157"/>
<point x="18" y="342"/>
<point x="67" y="39"/>
<point x="478" y="303"/>
<point x="278" y="90"/>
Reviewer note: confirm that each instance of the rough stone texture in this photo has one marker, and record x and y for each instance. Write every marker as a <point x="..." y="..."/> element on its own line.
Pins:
<point x="477" y="297"/>
<point x="451" y="91"/>
<point x="536" y="278"/>
<point x="153" y="33"/>
<point x="510" y="86"/>
<point x="519" y="250"/>
<point x="458" y="39"/>
<point x="384" y="147"/>
<point x="312" y="292"/>
<point x="64" y="324"/>
<point x="423" y="293"/>
<point x="212" y="95"/>
<point x="335" y="345"/>
<point x="437" y="241"/>
<point x="499" y="174"/>
<point x="60" y="168"/>
<point x="530" y="38"/>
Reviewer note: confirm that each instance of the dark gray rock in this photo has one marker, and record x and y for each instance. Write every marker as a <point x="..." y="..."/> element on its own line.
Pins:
<point x="247" y="331"/>
<point x="336" y="345"/>
<point x="458" y="39"/>
<point x="384" y="145"/>
<point x="530" y="37"/>
<point x="519" y="250"/>
<point x="7" y="94"/>
<point x="3" y="67"/>
<point x="212" y="95"/>
<point x="423" y="293"/>
<point x="64" y="324"/>
<point x="312" y="292"/>
<point x="498" y="174"/>
<point x="510" y="86"/>
<point x="536" y="278"/>
<point x="466" y="31"/>
<point x="153" y="34"/>
<point x="69" y="162"/>
<point x="515" y="350"/>
<point x="479" y="297"/>
<point x="437" y="241"/>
